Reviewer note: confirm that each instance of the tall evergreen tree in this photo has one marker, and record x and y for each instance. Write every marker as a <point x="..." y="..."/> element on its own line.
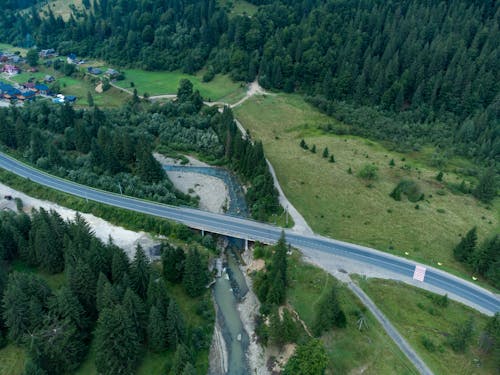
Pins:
<point x="486" y="190"/>
<point x="157" y="331"/>
<point x="173" y="259"/>
<point x="464" y="250"/>
<point x="329" y="313"/>
<point x="174" y="325"/>
<point x="140" y="271"/>
<point x="195" y="275"/>
<point x="118" y="346"/>
<point x="136" y="310"/>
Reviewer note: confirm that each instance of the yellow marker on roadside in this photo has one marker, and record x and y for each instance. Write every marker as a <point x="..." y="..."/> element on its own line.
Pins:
<point x="407" y="253"/>
<point x="474" y="278"/>
<point x="440" y="264"/>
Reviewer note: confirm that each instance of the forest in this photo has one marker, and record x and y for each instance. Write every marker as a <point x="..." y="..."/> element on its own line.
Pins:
<point x="425" y="71"/>
<point x="122" y="306"/>
<point x="112" y="149"/>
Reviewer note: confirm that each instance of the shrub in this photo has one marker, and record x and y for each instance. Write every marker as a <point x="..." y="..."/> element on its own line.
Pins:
<point x="368" y="172"/>
<point x="428" y="344"/>
<point x="408" y="188"/>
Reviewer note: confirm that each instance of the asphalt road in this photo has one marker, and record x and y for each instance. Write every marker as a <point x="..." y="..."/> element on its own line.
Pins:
<point x="255" y="231"/>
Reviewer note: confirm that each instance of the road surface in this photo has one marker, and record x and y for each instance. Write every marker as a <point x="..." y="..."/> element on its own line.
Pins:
<point x="391" y="331"/>
<point x="476" y="296"/>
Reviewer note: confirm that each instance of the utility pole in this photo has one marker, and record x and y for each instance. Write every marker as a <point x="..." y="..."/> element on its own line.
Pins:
<point x="286" y="215"/>
<point x="120" y="187"/>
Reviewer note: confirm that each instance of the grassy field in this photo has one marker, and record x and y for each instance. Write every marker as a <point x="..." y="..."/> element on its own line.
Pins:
<point x="422" y="317"/>
<point x="239" y="7"/>
<point x="10" y="48"/>
<point x="221" y="88"/>
<point x="61" y="7"/>
<point x="12" y="360"/>
<point x="350" y="351"/>
<point x="347" y="207"/>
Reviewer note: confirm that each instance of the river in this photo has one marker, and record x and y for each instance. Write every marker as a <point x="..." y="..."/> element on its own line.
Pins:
<point x="229" y="289"/>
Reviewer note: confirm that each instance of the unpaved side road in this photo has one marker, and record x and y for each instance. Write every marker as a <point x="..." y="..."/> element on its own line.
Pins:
<point x="391" y="331"/>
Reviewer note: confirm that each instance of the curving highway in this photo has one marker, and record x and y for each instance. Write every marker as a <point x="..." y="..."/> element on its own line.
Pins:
<point x="481" y="298"/>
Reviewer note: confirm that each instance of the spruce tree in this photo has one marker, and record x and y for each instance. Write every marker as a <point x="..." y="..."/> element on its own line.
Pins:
<point x="57" y="346"/>
<point x="139" y="272"/>
<point x="31" y="368"/>
<point x="486" y="189"/>
<point x="157" y="331"/>
<point x="464" y="250"/>
<point x="118" y="347"/>
<point x="332" y="159"/>
<point x="106" y="296"/>
<point x="66" y="306"/>
<point x="158" y="295"/>
<point x="24" y="303"/>
<point x="173" y="259"/>
<point x="329" y="313"/>
<point x="134" y="306"/>
<point x="120" y="265"/>
<point x="175" y="325"/>
<point x="181" y="359"/>
<point x="309" y="358"/>
<point x="195" y="275"/>
<point x="82" y="282"/>
<point x="325" y="152"/>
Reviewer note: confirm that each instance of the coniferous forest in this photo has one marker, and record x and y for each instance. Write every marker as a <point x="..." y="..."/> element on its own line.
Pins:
<point x="122" y="306"/>
<point x="112" y="149"/>
<point x="409" y="72"/>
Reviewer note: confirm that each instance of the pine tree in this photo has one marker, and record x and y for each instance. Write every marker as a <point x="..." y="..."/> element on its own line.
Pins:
<point x="173" y="259"/>
<point x="181" y="359"/>
<point x="486" y="190"/>
<point x="139" y="272"/>
<point x="195" y="276"/>
<point x="32" y="368"/>
<point x="157" y="331"/>
<point x="332" y="159"/>
<point x="158" y="295"/>
<point x="24" y="302"/>
<point x="313" y="149"/>
<point x="66" y="306"/>
<point x="90" y="99"/>
<point x="82" y="282"/>
<point x="106" y="296"/>
<point x="175" y="325"/>
<point x="329" y="314"/>
<point x="303" y="144"/>
<point x="325" y="152"/>
<point x="118" y="347"/>
<point x="120" y="265"/>
<point x="136" y="310"/>
<point x="57" y="346"/>
<point x="465" y="248"/>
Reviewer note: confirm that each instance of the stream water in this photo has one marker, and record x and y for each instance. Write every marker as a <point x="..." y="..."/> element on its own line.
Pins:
<point x="229" y="289"/>
<point x="237" y="203"/>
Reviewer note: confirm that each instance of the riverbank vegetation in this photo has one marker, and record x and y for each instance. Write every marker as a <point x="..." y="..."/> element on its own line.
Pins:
<point x="112" y="149"/>
<point x="302" y="303"/>
<point x="97" y="298"/>
<point x="450" y="337"/>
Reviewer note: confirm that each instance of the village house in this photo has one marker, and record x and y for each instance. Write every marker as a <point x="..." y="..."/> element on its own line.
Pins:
<point x="93" y="70"/>
<point x="47" y="53"/>
<point x="42" y="89"/>
<point x="48" y="79"/>
<point x="11" y="69"/>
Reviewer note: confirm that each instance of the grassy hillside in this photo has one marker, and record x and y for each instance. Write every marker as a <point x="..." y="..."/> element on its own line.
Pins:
<point x="350" y="350"/>
<point x="221" y="88"/>
<point x="421" y="319"/>
<point x="339" y="203"/>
